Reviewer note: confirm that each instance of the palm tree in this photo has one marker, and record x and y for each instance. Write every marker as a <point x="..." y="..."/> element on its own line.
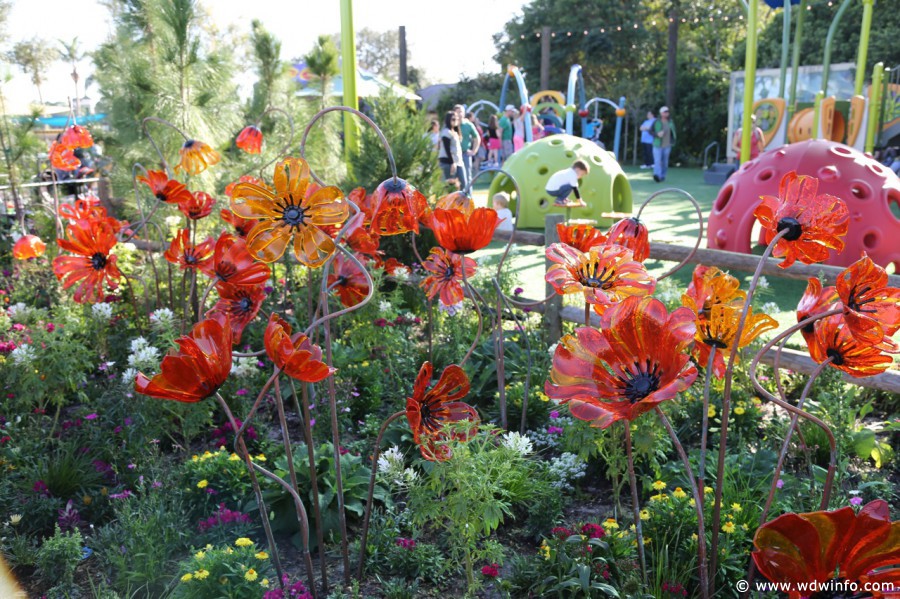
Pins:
<point x="71" y="53"/>
<point x="33" y="57"/>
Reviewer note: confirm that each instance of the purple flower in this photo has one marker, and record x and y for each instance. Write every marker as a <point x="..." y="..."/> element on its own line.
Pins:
<point x="780" y="483"/>
<point x="123" y="495"/>
<point x="554" y="430"/>
<point x="408" y="544"/>
<point x="240" y="392"/>
<point x="91" y="416"/>
<point x="40" y="487"/>
<point x="854" y="501"/>
<point x="554" y="415"/>
<point x="518" y="291"/>
<point x="380" y="322"/>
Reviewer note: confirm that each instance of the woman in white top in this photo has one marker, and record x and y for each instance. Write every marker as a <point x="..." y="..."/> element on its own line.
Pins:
<point x="450" y="150"/>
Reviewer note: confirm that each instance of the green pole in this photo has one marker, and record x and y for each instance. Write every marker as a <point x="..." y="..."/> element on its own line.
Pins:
<point x="874" y="104"/>
<point x="785" y="47"/>
<point x="348" y="72"/>
<point x="863" y="46"/>
<point x="749" y="80"/>
<point x="817" y="107"/>
<point x="832" y="29"/>
<point x="795" y="61"/>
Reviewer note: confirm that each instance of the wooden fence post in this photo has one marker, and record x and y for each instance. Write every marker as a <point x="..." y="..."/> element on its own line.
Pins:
<point x="552" y="318"/>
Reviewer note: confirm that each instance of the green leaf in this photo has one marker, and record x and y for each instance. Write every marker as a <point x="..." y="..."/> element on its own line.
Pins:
<point x="863" y="442"/>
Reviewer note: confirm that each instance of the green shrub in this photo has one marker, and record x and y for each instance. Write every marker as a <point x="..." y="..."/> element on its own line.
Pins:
<point x="58" y="557"/>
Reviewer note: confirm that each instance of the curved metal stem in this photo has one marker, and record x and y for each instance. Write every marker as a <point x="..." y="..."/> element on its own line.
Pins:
<point x="701" y="473"/>
<point x="206" y="295"/>
<point x="635" y="502"/>
<point x="313" y="477"/>
<point x="527" y="385"/>
<point x="368" y="121"/>
<point x="365" y="528"/>
<point x="466" y="285"/>
<point x="153" y="141"/>
<point x="700" y="222"/>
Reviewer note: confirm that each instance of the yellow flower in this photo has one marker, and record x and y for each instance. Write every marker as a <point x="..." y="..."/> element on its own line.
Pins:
<point x="87" y="499"/>
<point x="679" y="493"/>
<point x="203" y="484"/>
<point x="194" y="458"/>
<point x="201" y="574"/>
<point x="692" y="503"/>
<point x="229" y="550"/>
<point x="736" y="507"/>
<point x="659" y="485"/>
<point x="264" y="582"/>
<point x="660" y="497"/>
<point x="739" y="411"/>
<point x="187" y="577"/>
<point x="104" y="491"/>
<point x="745" y="527"/>
<point x="234" y="458"/>
<point x="711" y="412"/>
<point x="261" y="457"/>
<point x="645" y="515"/>
<point x="610" y="524"/>
<point x="728" y="527"/>
<point x="243" y="542"/>
<point x="542" y="396"/>
<point x="262" y="555"/>
<point x="251" y="575"/>
<point x="756" y="401"/>
<point x="209" y="546"/>
<point x="707" y="490"/>
<point x="545" y="550"/>
<point x="647" y="540"/>
<point x="694" y="537"/>
<point x="200" y="554"/>
<point x="365" y="364"/>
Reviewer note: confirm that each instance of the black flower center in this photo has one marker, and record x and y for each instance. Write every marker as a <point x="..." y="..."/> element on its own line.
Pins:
<point x="713" y="336"/>
<point x="394" y="185"/>
<point x="836" y="358"/>
<point x="809" y="328"/>
<point x="794" y="230"/>
<point x="225" y="270"/>
<point x="449" y="273"/>
<point x="161" y="197"/>
<point x="643" y="381"/>
<point x="854" y="302"/>
<point x="190" y="258"/>
<point x="592" y="275"/>
<point x="98" y="261"/>
<point x="245" y="305"/>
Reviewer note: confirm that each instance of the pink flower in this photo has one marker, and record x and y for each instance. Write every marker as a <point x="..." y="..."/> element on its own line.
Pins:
<point x="491" y="571"/>
<point x="593" y="531"/>
<point x="857" y="500"/>
<point x="780" y="483"/>
<point x="51" y="327"/>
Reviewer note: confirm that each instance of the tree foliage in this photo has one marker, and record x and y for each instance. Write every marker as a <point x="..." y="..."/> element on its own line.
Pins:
<point x="33" y="56"/>
<point x="378" y="51"/>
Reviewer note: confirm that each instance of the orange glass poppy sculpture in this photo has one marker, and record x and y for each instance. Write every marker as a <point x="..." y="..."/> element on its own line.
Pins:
<point x="360" y="238"/>
<point x="296" y="356"/>
<point x="445" y="276"/>
<point x="92" y="267"/>
<point x="833" y="339"/>
<point x="164" y="189"/>
<point x="816" y="300"/>
<point x="430" y="410"/>
<point x="62" y="157"/>
<point x="631" y="233"/>
<point x="199" y="206"/>
<point x="871" y="308"/>
<point x="815" y="223"/>
<point x="348" y="281"/>
<point x="233" y="264"/>
<point x="290" y="213"/>
<point x="710" y="286"/>
<point x="87" y="208"/>
<point x="582" y="237"/>
<point x="604" y="274"/>
<point x="187" y="255"/>
<point x="242" y="226"/>
<point x="633" y="363"/>
<point x="717" y="332"/>
<point x="840" y="546"/>
<point x="196" y="157"/>
<point x="28" y="246"/>
<point x="76" y="136"/>
<point x="240" y="304"/>
<point x="397" y="207"/>
<point x="196" y="369"/>
<point x="465" y="230"/>
<point x="250" y="139"/>
<point x="244" y="179"/>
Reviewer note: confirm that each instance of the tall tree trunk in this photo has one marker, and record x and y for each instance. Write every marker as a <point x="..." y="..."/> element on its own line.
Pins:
<point x="672" y="53"/>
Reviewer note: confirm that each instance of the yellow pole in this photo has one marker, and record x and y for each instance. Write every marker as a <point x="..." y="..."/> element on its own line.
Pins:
<point x="874" y="107"/>
<point x="749" y="80"/>
<point x="348" y="72"/>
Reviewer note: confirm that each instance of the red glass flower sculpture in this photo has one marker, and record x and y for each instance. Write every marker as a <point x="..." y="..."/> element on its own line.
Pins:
<point x="187" y="255"/>
<point x="233" y="264"/>
<point x="814" y="223"/>
<point x="290" y="213"/>
<point x="348" y="281"/>
<point x="93" y="266"/>
<point x="196" y="157"/>
<point x="633" y="234"/>
<point x="429" y="410"/>
<point x="240" y="304"/>
<point x="462" y="231"/>
<point x="604" y="274"/>
<point x="710" y="286"/>
<point x="628" y="367"/>
<point x="83" y="209"/>
<point x="819" y="547"/>
<point x="242" y="226"/>
<point x="582" y="237"/>
<point x="834" y="339"/>
<point x="365" y="203"/>
<point x="165" y="189"/>
<point x="28" y="246"/>
<point x="397" y="207"/>
<point x="62" y="157"/>
<point x="250" y="139"/>
<point x="445" y="278"/>
<point x="199" y="206"/>
<point x="196" y="369"/>
<point x="871" y="308"/>
<point x="815" y="300"/>
<point x="76" y="136"/>
<point x="297" y="357"/>
<point x="360" y="238"/>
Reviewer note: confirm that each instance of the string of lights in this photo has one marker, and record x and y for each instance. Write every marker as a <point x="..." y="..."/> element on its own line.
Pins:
<point x="632" y="26"/>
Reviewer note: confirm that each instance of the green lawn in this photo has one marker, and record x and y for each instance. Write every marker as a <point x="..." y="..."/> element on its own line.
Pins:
<point x="671" y="218"/>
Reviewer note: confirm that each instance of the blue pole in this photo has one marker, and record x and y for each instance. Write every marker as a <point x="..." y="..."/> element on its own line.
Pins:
<point x="618" y="128"/>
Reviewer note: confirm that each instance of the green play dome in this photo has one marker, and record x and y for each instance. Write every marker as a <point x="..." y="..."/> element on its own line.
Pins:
<point x="604" y="189"/>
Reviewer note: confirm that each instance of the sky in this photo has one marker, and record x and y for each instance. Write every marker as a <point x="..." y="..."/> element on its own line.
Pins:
<point x="444" y="55"/>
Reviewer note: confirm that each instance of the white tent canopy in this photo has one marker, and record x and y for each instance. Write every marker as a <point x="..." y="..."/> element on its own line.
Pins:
<point x="368" y="85"/>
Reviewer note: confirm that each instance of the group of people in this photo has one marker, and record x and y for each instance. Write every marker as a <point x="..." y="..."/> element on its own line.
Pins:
<point x="657" y="139"/>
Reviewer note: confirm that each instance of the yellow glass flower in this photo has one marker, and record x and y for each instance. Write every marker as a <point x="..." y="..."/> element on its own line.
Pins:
<point x="203" y="484"/>
<point x="290" y="212"/>
<point x="719" y="331"/>
<point x="728" y="527"/>
<point x="659" y="485"/>
<point x="262" y="555"/>
<point x="645" y="515"/>
<point x="251" y="575"/>
<point x="187" y="577"/>
<point x="196" y="157"/>
<point x="243" y="542"/>
<point x="201" y="574"/>
<point x="679" y="493"/>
